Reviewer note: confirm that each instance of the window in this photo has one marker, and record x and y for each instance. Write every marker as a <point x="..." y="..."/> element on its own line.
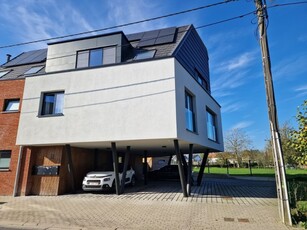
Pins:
<point x="33" y="70"/>
<point x="5" y="159"/>
<point x="211" y="125"/>
<point x="11" y="105"/>
<point x="144" y="54"/>
<point x="201" y="80"/>
<point x="53" y="103"/>
<point x="2" y="73"/>
<point x="189" y="112"/>
<point x="96" y="57"/>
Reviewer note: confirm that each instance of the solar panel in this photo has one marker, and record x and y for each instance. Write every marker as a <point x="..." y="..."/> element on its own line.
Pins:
<point x="28" y="58"/>
<point x="136" y="36"/>
<point x="157" y="37"/>
<point x="166" y="36"/>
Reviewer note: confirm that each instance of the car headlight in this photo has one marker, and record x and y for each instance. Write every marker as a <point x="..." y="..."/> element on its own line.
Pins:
<point x="106" y="179"/>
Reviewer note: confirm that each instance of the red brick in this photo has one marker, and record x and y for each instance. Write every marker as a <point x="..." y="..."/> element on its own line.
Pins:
<point x="9" y="89"/>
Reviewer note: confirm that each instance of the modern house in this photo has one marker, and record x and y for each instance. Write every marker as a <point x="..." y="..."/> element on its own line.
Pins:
<point x="110" y="95"/>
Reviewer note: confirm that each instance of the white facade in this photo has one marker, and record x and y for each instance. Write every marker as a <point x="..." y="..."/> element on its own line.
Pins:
<point x="138" y="104"/>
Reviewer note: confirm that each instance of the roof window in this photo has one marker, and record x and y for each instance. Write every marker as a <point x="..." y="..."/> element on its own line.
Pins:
<point x="144" y="54"/>
<point x="34" y="69"/>
<point x="2" y="73"/>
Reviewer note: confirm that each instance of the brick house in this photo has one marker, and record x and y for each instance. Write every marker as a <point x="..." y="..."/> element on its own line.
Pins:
<point x="12" y="78"/>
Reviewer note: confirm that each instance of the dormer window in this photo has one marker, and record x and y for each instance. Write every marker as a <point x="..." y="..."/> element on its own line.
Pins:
<point x="33" y="70"/>
<point x="96" y="57"/>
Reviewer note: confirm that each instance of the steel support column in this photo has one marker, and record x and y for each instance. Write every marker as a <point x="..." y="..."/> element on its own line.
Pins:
<point x="202" y="168"/>
<point x="145" y="173"/>
<point x="115" y="167"/>
<point x="189" y="179"/>
<point x="181" y="170"/>
<point x="126" y="161"/>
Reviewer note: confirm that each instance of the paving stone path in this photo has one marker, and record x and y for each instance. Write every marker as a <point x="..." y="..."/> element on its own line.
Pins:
<point x="219" y="203"/>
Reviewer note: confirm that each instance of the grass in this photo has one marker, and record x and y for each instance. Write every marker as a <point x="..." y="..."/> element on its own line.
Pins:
<point x="262" y="172"/>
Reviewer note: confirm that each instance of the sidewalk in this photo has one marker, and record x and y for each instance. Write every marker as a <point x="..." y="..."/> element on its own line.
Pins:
<point x="158" y="206"/>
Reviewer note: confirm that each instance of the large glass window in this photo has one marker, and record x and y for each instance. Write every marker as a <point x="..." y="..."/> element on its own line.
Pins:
<point x="189" y="112"/>
<point x="211" y="125"/>
<point x="5" y="159"/>
<point x="96" y="57"/>
<point x="53" y="103"/>
<point x="11" y="105"/>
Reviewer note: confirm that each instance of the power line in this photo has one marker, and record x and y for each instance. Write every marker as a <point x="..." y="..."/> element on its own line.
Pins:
<point x="121" y="25"/>
<point x="183" y="31"/>
<point x="156" y="18"/>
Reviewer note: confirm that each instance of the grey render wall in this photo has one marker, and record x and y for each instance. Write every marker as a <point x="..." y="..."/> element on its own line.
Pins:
<point x="62" y="56"/>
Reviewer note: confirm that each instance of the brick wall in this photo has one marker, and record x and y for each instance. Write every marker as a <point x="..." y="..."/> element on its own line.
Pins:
<point x="10" y="89"/>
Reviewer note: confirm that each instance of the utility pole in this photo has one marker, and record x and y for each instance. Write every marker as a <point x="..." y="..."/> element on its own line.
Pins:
<point x="281" y="184"/>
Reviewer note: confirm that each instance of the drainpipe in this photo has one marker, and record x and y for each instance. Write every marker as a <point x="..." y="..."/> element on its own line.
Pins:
<point x="18" y="171"/>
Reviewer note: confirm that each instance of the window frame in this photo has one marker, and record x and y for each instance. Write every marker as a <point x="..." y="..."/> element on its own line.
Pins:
<point x="89" y="56"/>
<point x="6" y="103"/>
<point x="39" y="68"/>
<point x="5" y="72"/>
<point x="199" y="77"/>
<point x="42" y="104"/>
<point x="140" y="52"/>
<point x="9" y="162"/>
<point x="214" y="125"/>
<point x="193" y="105"/>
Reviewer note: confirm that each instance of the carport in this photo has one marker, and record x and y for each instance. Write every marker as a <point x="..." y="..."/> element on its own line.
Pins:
<point x="185" y="180"/>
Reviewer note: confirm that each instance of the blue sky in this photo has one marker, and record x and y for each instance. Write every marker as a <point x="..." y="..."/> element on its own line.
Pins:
<point x="235" y="61"/>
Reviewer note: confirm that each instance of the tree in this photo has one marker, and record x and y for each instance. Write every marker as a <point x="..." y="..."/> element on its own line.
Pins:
<point x="236" y="140"/>
<point x="268" y="160"/>
<point x="298" y="138"/>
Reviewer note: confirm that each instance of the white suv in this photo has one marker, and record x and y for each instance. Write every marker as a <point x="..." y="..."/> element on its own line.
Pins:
<point x="105" y="180"/>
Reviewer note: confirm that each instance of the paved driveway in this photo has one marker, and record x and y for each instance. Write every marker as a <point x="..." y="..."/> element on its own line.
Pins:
<point x="220" y="203"/>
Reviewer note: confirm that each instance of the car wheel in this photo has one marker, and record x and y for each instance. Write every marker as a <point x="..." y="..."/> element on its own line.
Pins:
<point x="132" y="183"/>
<point x="113" y="186"/>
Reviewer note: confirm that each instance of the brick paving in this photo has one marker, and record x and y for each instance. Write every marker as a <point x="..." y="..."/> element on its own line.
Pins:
<point x="219" y="203"/>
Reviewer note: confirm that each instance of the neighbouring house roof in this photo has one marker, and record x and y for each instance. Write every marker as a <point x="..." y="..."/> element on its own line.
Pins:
<point x="22" y="63"/>
<point x="163" y="41"/>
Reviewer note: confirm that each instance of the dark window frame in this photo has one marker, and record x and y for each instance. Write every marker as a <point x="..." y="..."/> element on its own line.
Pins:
<point x="3" y="152"/>
<point x="190" y="105"/>
<point x="214" y="125"/>
<point x="39" y="68"/>
<point x="6" y="103"/>
<point x="5" y="72"/>
<point x="42" y="111"/>
<point x="204" y="82"/>
<point x="89" y="56"/>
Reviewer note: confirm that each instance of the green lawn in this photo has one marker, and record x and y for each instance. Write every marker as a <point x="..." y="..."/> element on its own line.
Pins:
<point x="265" y="172"/>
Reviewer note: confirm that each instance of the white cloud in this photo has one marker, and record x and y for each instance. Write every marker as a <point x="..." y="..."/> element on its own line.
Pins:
<point x="121" y="12"/>
<point x="229" y="107"/>
<point x="34" y="20"/>
<point x="242" y="125"/>
<point x="290" y="67"/>
<point x="301" y="88"/>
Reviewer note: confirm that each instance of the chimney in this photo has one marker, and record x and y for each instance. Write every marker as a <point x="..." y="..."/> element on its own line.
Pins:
<point x="8" y="57"/>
